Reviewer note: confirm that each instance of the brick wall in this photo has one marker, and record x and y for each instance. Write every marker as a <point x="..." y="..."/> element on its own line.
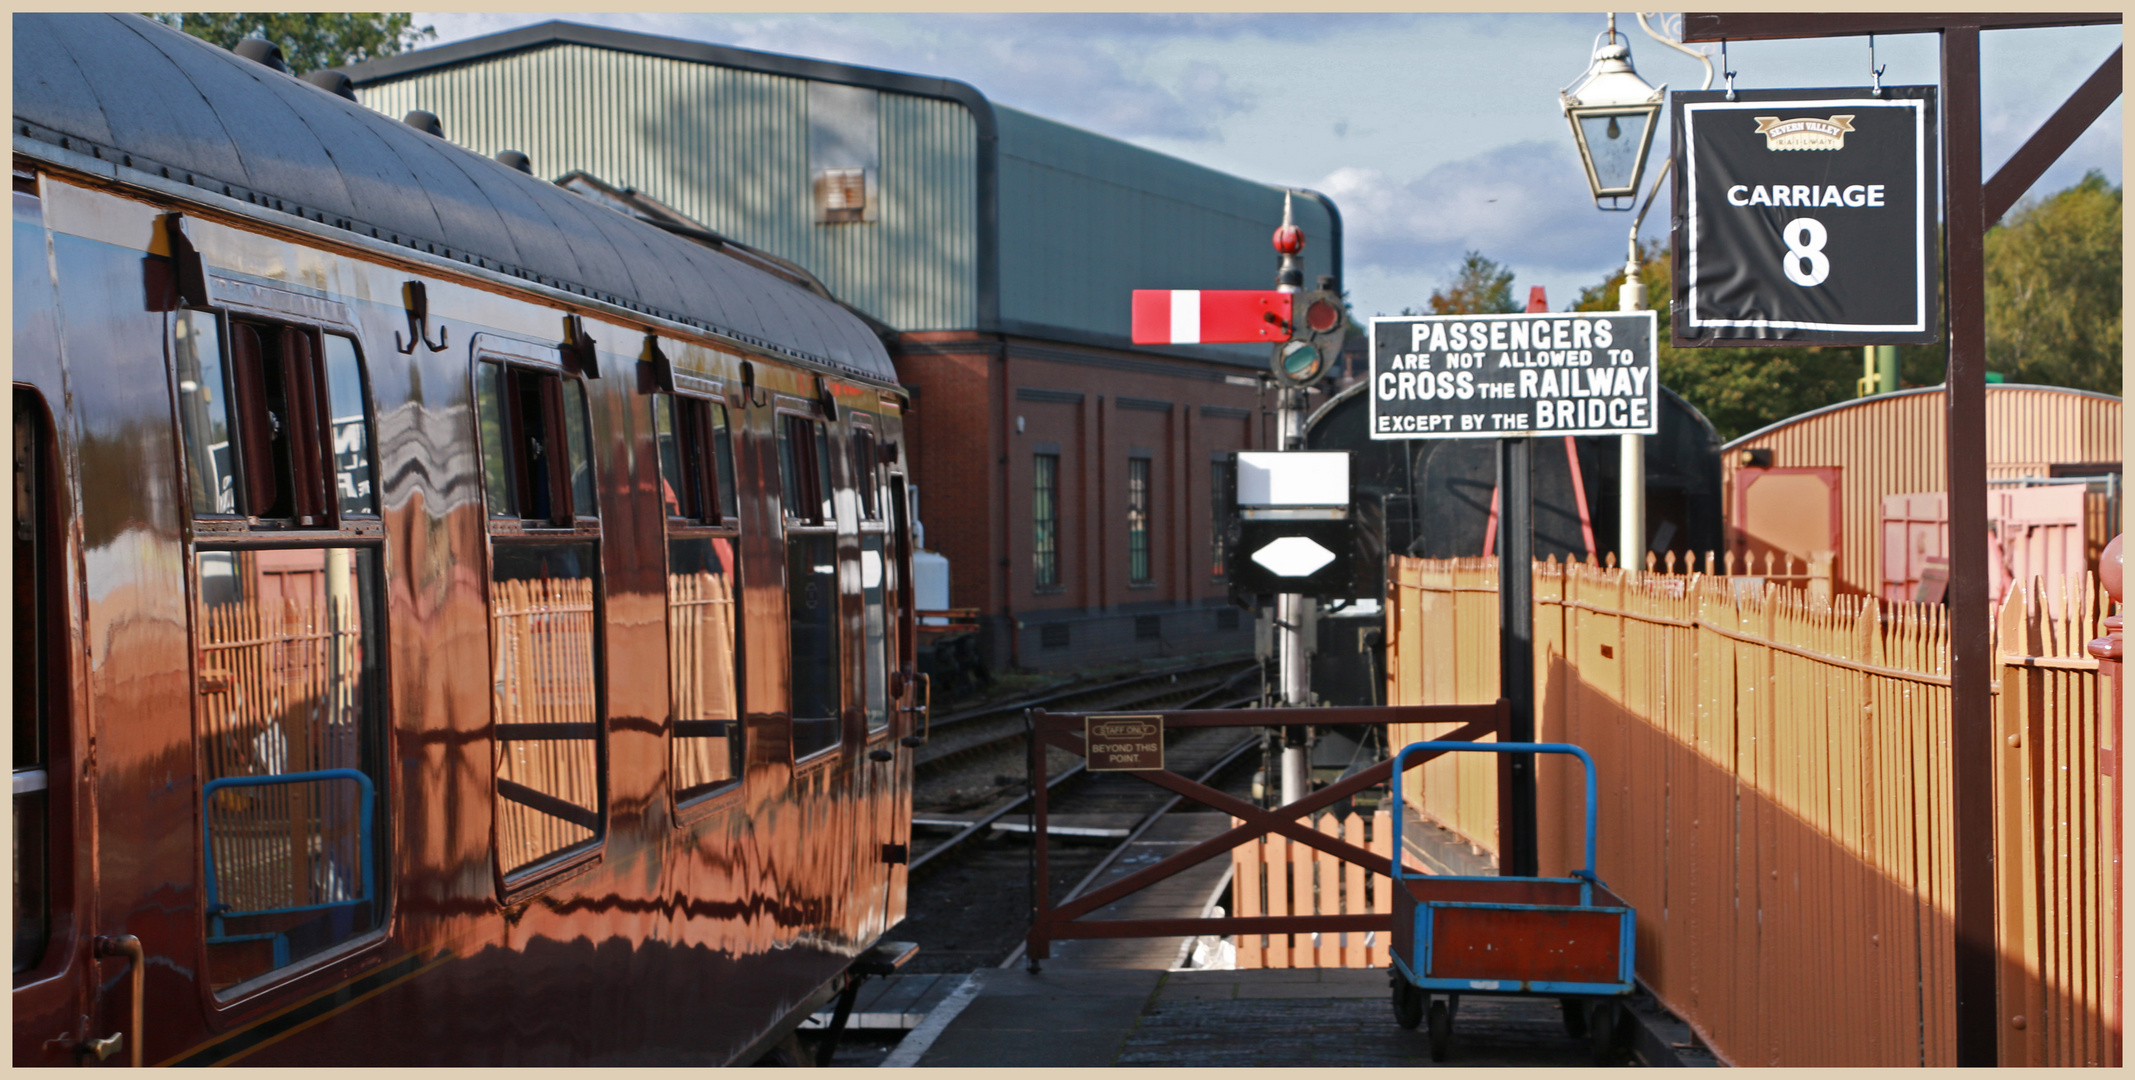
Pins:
<point x="1094" y="408"/>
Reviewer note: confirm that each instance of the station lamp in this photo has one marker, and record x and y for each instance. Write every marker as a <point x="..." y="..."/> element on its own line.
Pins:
<point x="1613" y="113"/>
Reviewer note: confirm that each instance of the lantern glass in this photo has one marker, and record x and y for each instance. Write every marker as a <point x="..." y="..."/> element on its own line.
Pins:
<point x="1615" y="144"/>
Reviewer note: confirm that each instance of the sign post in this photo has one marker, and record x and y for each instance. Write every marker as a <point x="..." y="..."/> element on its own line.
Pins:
<point x="1307" y="331"/>
<point x="1510" y="377"/>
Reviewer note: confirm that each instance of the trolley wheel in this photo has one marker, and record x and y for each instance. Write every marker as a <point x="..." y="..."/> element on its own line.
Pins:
<point x="1441" y="1027"/>
<point x="1574" y="1013"/>
<point x="1408" y="1003"/>
<point x="1601" y="1031"/>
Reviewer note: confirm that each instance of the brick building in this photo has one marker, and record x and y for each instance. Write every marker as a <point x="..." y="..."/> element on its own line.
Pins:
<point x="1071" y="478"/>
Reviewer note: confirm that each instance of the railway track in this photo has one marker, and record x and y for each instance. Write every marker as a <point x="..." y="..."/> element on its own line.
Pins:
<point x="962" y="735"/>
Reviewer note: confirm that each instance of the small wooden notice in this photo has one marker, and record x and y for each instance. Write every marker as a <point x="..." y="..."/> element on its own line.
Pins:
<point x="1126" y="742"/>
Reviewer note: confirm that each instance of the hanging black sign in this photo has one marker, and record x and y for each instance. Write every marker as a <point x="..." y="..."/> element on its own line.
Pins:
<point x="1806" y="217"/>
<point x="1493" y="376"/>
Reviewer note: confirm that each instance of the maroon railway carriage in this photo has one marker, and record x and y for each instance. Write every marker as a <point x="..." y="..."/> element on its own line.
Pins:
<point x="455" y="623"/>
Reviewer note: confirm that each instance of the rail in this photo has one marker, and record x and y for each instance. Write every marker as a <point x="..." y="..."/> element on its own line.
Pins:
<point x="1067" y="731"/>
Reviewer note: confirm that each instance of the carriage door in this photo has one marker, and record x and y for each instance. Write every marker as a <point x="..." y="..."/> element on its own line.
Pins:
<point x="903" y="661"/>
<point x="54" y="969"/>
<point x="874" y="660"/>
<point x="52" y="962"/>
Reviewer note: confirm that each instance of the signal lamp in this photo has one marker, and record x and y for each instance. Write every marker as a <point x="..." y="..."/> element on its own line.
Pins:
<point x="1318" y="324"/>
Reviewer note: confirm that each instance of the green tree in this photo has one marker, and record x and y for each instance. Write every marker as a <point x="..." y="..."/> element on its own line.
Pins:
<point x="1738" y="389"/>
<point x="1480" y="286"/>
<point x="309" y="40"/>
<point x="2053" y="289"/>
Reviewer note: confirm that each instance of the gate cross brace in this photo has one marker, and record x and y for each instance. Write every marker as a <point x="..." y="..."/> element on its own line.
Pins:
<point x="1256" y="821"/>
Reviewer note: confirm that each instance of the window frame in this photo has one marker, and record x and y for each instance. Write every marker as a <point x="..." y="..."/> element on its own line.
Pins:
<point x="507" y="532"/>
<point x="864" y="443"/>
<point x="1045" y="575"/>
<point x="231" y="300"/>
<point x="1222" y="497"/>
<point x="693" y="805"/>
<point x="698" y="438"/>
<point x="333" y="321"/>
<point x="811" y="470"/>
<point x="1140" y="505"/>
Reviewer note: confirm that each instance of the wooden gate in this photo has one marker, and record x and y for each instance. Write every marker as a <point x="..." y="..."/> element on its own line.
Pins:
<point x="1066" y="731"/>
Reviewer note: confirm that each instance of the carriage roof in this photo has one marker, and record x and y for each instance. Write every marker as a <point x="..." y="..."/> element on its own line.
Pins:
<point x="148" y="99"/>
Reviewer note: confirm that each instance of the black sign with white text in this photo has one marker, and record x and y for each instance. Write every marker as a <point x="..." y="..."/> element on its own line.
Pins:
<point x="1496" y="376"/>
<point x="1805" y="217"/>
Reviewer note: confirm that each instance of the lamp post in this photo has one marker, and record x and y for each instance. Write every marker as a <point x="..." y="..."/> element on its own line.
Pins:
<point x="1613" y="112"/>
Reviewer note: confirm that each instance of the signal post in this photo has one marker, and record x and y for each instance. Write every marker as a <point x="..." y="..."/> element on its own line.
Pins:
<point x="1306" y="331"/>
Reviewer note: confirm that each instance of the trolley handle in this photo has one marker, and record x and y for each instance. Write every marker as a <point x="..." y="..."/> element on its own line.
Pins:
<point x="1585" y="873"/>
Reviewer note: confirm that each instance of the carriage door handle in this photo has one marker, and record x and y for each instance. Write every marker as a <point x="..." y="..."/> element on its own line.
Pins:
<point x="128" y="946"/>
<point x="925" y="710"/>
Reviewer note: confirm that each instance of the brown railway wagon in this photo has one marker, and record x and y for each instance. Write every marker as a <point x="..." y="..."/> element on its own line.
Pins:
<point x="455" y="624"/>
<point x="1817" y="481"/>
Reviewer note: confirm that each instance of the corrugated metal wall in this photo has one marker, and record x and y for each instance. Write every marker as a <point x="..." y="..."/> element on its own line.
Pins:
<point x="1893" y="443"/>
<point x="729" y="148"/>
<point x="1086" y="219"/>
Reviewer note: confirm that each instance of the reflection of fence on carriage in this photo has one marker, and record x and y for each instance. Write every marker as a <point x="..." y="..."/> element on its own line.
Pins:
<point x="547" y="727"/>
<point x="1776" y="800"/>
<point x="700" y="651"/>
<point x="280" y="692"/>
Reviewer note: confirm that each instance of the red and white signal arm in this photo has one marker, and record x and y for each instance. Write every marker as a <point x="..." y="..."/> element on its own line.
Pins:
<point x="1211" y="316"/>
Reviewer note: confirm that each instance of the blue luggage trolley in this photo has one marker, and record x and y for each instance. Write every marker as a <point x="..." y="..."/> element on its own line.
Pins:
<point x="1569" y="938"/>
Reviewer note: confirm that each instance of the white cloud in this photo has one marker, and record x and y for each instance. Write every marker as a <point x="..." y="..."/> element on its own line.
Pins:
<point x="1511" y="203"/>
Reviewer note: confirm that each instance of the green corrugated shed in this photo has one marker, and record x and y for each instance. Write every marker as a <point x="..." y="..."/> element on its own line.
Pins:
<point x="1086" y="219"/>
<point x="988" y="219"/>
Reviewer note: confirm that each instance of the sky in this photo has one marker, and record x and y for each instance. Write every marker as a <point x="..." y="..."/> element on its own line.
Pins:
<point x="1434" y="134"/>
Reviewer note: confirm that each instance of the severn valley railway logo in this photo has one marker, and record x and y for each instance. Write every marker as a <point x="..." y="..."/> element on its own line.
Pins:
<point x="1804" y="133"/>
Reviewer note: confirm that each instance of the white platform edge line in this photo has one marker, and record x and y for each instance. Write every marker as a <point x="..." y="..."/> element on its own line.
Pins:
<point x="914" y="1046"/>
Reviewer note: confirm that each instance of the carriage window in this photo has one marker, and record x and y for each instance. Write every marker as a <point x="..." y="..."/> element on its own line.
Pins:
<point x="291" y="701"/>
<point x="875" y="656"/>
<point x="351" y="444"/>
<point x="545" y="691"/>
<point x="204" y="413"/>
<point x="273" y="418"/>
<point x="812" y="614"/>
<point x="578" y="439"/>
<point x="706" y="746"/>
<point x="545" y="698"/>
<point x="489" y="417"/>
<point x="804" y="467"/>
<point x="696" y="458"/>
<point x="697" y="491"/>
<point x="537" y="451"/>
<point x="867" y="474"/>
